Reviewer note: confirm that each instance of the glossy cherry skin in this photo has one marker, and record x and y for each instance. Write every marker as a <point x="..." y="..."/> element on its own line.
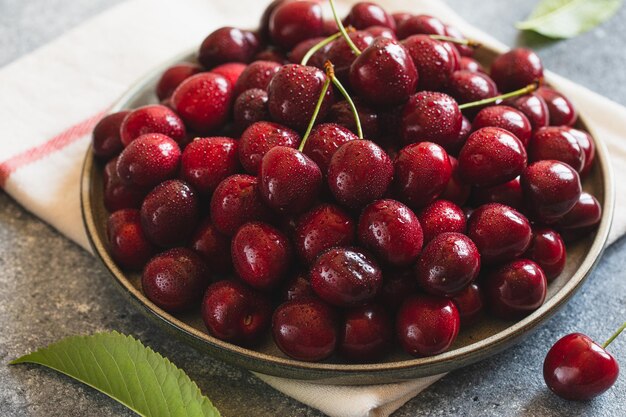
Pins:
<point x="259" y="138"/>
<point x="385" y="32"/>
<point x="400" y="17"/>
<point x="366" y="334"/>
<point x="296" y="55"/>
<point x="345" y="277"/>
<point x="324" y="141"/>
<point x="427" y="325"/>
<point x="548" y="251"/>
<point x="128" y="244"/>
<point x="365" y="14"/>
<point x="586" y="143"/>
<point x="271" y="54"/>
<point x="294" y="92"/>
<point x="516" y="68"/>
<point x="153" y="118"/>
<point x="250" y="107"/>
<point x="322" y="228"/>
<point x="432" y="116"/>
<point x="391" y="231"/>
<point x="577" y="368"/>
<point x="420" y="24"/>
<point x="551" y="189"/>
<point x="471" y="303"/>
<point x="256" y="75"/>
<point x="297" y="288"/>
<point x="562" y="111"/>
<point x="261" y="255"/>
<point x="290" y="181"/>
<point x="432" y="60"/>
<point x="441" y="216"/>
<point x="470" y="64"/>
<point x="582" y="219"/>
<point x="534" y="107"/>
<point x="175" y="280"/>
<point x="508" y="193"/>
<point x="118" y="195"/>
<point x="384" y="74"/>
<point x="456" y="190"/>
<point x="556" y="143"/>
<point x="148" y="160"/>
<point x="500" y="232"/>
<point x="398" y="285"/>
<point x="422" y="171"/>
<point x="264" y="23"/>
<point x="341" y="54"/>
<point x="506" y="118"/>
<point x="207" y="161"/>
<point x="213" y="247"/>
<point x="231" y="71"/>
<point x="235" y="313"/>
<point x="359" y="173"/>
<point x="228" y="44"/>
<point x="341" y="113"/>
<point x="468" y="86"/>
<point x="173" y="76"/>
<point x="294" y="21"/>
<point x="491" y="156"/>
<point x="106" y="142"/>
<point x="236" y="201"/>
<point x="305" y="329"/>
<point x="448" y="264"/>
<point x="516" y="289"/>
<point x="203" y="101"/>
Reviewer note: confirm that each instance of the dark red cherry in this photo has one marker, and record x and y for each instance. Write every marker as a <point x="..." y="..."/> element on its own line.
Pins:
<point x="228" y="44"/>
<point x="271" y="54"/>
<point x="585" y="141"/>
<point x="341" y="113"/>
<point x="359" y="173"/>
<point x="203" y="101"/>
<point x="290" y="181"/>
<point x="366" y="334"/>
<point x="491" y="156"/>
<point x="236" y="201"/>
<point x="398" y="285"/>
<point x="534" y="107"/>
<point x="173" y="76"/>
<point x="264" y="23"/>
<point x="434" y="117"/>
<point x="468" y="86"/>
<point x="256" y="75"/>
<point x="456" y="190"/>
<point x="577" y="368"/>
<point x="548" y="251"/>
<point x="261" y="255"/>
<point x="383" y="31"/>
<point x="235" y="313"/>
<point x="294" y="92"/>
<point x="427" y="325"/>
<point x="294" y="21"/>
<point x="399" y="17"/>
<point x="106" y="142"/>
<point x="470" y="302"/>
<point x="464" y="50"/>
<point x="324" y="140"/>
<point x="448" y="264"/>
<point x="470" y="64"/>
<point x="259" y="138"/>
<point x="506" y="118"/>
<point x="432" y="60"/>
<point x="516" y="289"/>
<point x="551" y="188"/>
<point x="231" y="71"/>
<point x="297" y="288"/>
<point x="213" y="247"/>
<point x="391" y="231"/>
<point x="341" y="54"/>
<point x="296" y="55"/>
<point x="439" y="217"/>
<point x="148" y="160"/>
<point x="384" y="73"/>
<point x="322" y="228"/>
<point x="561" y="110"/>
<point x="128" y="244"/>
<point x="582" y="219"/>
<point x="207" y="161"/>
<point x="365" y="14"/>
<point x="250" y="107"/>
<point x="516" y="68"/>
<point x="422" y="171"/>
<point x="118" y="195"/>
<point x="153" y="118"/>
<point x="500" y="232"/>
<point x="420" y="24"/>
<point x="305" y="329"/>
<point x="556" y="143"/>
<point x="175" y="280"/>
<point x="345" y="277"/>
<point x="508" y="193"/>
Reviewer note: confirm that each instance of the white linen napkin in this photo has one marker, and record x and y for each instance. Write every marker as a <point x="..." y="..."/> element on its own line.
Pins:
<point x="51" y="99"/>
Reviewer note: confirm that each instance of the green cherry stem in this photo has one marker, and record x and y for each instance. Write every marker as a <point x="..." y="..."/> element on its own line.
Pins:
<point x="522" y="91"/>
<point x="345" y="94"/>
<point x="316" y="111"/>
<point x="612" y="338"/>
<point x="468" y="42"/>
<point x="320" y="45"/>
<point x="342" y="29"/>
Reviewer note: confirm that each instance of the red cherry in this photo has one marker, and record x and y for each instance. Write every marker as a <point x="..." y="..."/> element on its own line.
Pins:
<point x="207" y="161"/>
<point x="420" y="24"/>
<point x="175" y="280"/>
<point x="534" y="107"/>
<point x="561" y="110"/>
<point x="231" y="71"/>
<point x="441" y="216"/>
<point x="148" y="160"/>
<point x="470" y="302"/>
<point x="235" y="313"/>
<point x="506" y="118"/>
<point x="228" y="44"/>
<point x="213" y="247"/>
<point x="382" y="31"/>
<point x="118" y="195"/>
<point x="341" y="54"/>
<point x="341" y="114"/>
<point x="250" y="107"/>
<point x="508" y="193"/>
<point x="106" y="141"/>
<point x="556" y="143"/>
<point x="259" y="138"/>
<point x="470" y="64"/>
<point x="582" y="219"/>
<point x="468" y="86"/>
<point x="516" y="289"/>
<point x="456" y="190"/>
<point x="127" y="242"/>
<point x="516" y="68"/>
<point x="153" y="118"/>
<point x="297" y="288"/>
<point x="399" y="17"/>
<point x="366" y="334"/>
<point x="305" y="329"/>
<point x="256" y="75"/>
<point x="324" y="141"/>
<point x="296" y="55"/>
<point x="577" y="368"/>
<point x="264" y="23"/>
<point x="173" y="76"/>
<point x="548" y="251"/>
<point x="365" y="14"/>
<point x="271" y="54"/>
<point x="398" y="285"/>
<point x="345" y="277"/>
<point x="464" y="50"/>
<point x="427" y="325"/>
<point x="294" y="21"/>
<point x="585" y="141"/>
<point x="432" y="60"/>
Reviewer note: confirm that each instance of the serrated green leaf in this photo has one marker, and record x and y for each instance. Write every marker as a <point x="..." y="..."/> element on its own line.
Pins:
<point x="568" y="18"/>
<point x="127" y="371"/>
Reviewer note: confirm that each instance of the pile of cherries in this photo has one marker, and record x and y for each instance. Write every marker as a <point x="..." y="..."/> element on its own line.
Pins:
<point x="346" y="185"/>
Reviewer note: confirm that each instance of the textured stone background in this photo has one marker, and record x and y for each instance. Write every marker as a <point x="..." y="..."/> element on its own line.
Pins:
<point x="50" y="288"/>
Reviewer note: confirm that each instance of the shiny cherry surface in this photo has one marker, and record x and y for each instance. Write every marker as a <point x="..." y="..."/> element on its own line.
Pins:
<point x="507" y="118"/>
<point x="213" y="247"/>
<point x="324" y="141"/>
<point x="206" y="162"/>
<point x="259" y="138"/>
<point x="366" y="334"/>
<point x="516" y="68"/>
<point x="153" y="118"/>
<point x="106" y="141"/>
<point x="441" y="216"/>
<point x="228" y="44"/>
<point x="556" y="143"/>
<point x="128" y="244"/>
<point x="294" y="21"/>
<point x="548" y="251"/>
<point x="562" y="111"/>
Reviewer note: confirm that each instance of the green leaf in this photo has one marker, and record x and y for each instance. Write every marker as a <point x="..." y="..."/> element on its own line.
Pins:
<point x="127" y="371"/>
<point x="568" y="18"/>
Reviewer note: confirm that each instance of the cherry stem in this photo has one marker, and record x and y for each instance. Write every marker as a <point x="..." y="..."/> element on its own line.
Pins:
<point x="322" y="44"/>
<point x="316" y="111"/>
<point x="355" y="112"/>
<point x="342" y="29"/>
<point x="469" y="42"/>
<point x="522" y="91"/>
<point x="612" y="338"/>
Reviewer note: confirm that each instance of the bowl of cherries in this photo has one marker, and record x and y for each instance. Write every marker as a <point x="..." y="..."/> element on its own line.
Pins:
<point x="352" y="200"/>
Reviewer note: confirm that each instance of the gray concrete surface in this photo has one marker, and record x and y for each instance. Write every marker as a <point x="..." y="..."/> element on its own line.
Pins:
<point x="50" y="288"/>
